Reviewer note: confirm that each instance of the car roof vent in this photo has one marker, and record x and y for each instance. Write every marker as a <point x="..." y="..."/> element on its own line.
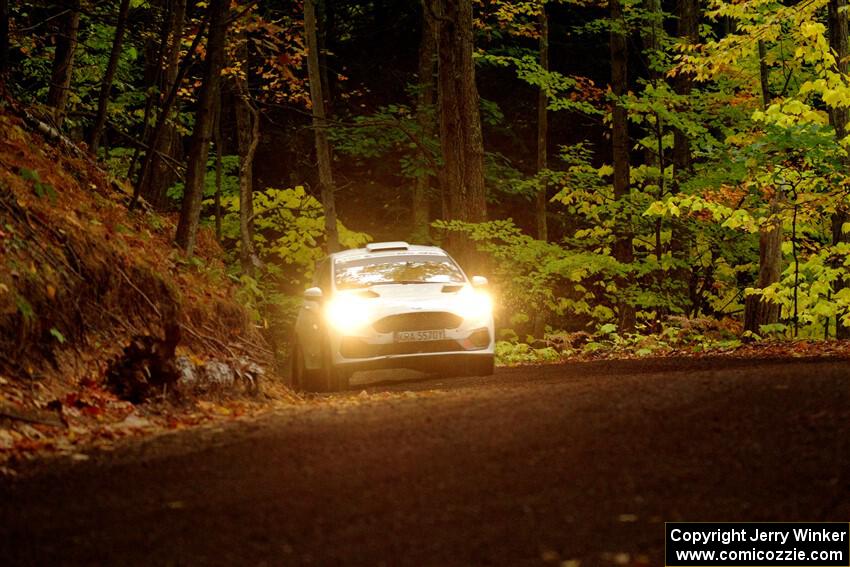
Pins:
<point x="386" y="246"/>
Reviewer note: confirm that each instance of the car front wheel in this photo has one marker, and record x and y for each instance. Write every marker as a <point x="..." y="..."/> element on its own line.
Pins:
<point x="338" y="379"/>
<point x="304" y="379"/>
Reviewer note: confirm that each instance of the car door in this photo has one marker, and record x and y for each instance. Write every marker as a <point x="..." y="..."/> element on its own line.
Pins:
<point x="310" y="323"/>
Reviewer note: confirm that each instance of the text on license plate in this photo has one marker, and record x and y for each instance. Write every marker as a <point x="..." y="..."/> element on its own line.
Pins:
<point x="414" y="336"/>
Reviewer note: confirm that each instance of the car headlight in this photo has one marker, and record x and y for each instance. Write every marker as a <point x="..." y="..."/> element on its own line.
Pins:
<point x="346" y="313"/>
<point x="474" y="304"/>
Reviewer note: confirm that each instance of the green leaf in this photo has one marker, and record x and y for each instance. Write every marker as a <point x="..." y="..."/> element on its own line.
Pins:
<point x="57" y="335"/>
<point x="607" y="329"/>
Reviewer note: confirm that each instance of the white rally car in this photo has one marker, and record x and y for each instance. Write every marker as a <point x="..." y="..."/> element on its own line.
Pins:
<point x="391" y="305"/>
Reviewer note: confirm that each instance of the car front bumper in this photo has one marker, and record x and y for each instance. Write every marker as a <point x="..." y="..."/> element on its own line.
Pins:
<point x="373" y="351"/>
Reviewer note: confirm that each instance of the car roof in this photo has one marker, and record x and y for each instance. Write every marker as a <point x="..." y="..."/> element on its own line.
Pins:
<point x="388" y="249"/>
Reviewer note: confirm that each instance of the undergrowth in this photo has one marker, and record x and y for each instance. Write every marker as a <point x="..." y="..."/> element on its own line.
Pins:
<point x="676" y="337"/>
<point x="80" y="274"/>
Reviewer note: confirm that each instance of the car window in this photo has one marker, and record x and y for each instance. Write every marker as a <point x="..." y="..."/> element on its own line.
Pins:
<point x="407" y="269"/>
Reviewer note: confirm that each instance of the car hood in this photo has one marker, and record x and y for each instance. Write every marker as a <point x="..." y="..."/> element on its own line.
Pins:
<point x="388" y="299"/>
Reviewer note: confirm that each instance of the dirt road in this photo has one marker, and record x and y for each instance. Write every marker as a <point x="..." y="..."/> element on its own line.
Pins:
<point x="533" y="466"/>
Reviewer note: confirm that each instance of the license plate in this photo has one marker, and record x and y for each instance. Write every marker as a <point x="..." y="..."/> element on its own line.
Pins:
<point x="416" y="336"/>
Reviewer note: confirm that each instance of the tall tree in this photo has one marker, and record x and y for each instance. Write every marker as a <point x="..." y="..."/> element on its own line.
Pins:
<point x="838" y="117"/>
<point x="764" y="74"/>
<point x="218" y="142"/>
<point x="196" y="168"/>
<point x="757" y="310"/>
<point x="425" y="119"/>
<point x="461" y="141"/>
<point x="156" y="176"/>
<point x="63" y="60"/>
<point x="323" y="149"/>
<point x="247" y="138"/>
<point x="688" y="32"/>
<point x="248" y="124"/>
<point x="109" y="75"/>
<point x="541" y="199"/>
<point x="4" y="43"/>
<point x="622" y="250"/>
<point x="542" y="126"/>
<point x="687" y="29"/>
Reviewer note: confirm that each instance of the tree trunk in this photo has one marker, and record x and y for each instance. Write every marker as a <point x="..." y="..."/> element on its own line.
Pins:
<point x="757" y="311"/>
<point x="156" y="177"/>
<point x="542" y="128"/>
<point x="196" y="167"/>
<point x="622" y="249"/>
<point x="247" y="139"/>
<point x="764" y="78"/>
<point x="218" y="141"/>
<point x="323" y="148"/>
<point x="425" y="118"/>
<point x="541" y="199"/>
<point x="4" y="44"/>
<point x="154" y="53"/>
<point x="248" y="255"/>
<point x="460" y="124"/>
<point x="688" y="31"/>
<point x="838" y="117"/>
<point x="108" y="76"/>
<point x="325" y="22"/>
<point x="63" y="61"/>
<point x="651" y="26"/>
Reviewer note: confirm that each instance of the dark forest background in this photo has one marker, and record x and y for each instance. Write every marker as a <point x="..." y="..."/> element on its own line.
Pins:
<point x="620" y="169"/>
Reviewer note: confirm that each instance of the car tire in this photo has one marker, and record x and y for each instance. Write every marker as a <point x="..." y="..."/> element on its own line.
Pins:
<point x="482" y="366"/>
<point x="303" y="379"/>
<point x="330" y="378"/>
<point x="338" y="379"/>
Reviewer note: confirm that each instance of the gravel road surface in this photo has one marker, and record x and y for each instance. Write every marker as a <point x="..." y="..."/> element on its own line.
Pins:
<point x="571" y="465"/>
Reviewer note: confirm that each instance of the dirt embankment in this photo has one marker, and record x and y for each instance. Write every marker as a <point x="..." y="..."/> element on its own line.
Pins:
<point x="81" y="278"/>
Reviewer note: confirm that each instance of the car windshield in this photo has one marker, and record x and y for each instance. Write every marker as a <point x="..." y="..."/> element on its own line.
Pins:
<point x="407" y="269"/>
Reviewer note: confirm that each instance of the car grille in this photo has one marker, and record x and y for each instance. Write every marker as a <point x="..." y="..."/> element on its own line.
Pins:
<point x="356" y="348"/>
<point x="422" y="321"/>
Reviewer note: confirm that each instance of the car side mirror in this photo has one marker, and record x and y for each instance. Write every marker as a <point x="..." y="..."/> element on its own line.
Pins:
<point x="479" y="281"/>
<point x="313" y="294"/>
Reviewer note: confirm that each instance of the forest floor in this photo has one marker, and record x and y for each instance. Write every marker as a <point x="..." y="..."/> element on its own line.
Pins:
<point x="571" y="465"/>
